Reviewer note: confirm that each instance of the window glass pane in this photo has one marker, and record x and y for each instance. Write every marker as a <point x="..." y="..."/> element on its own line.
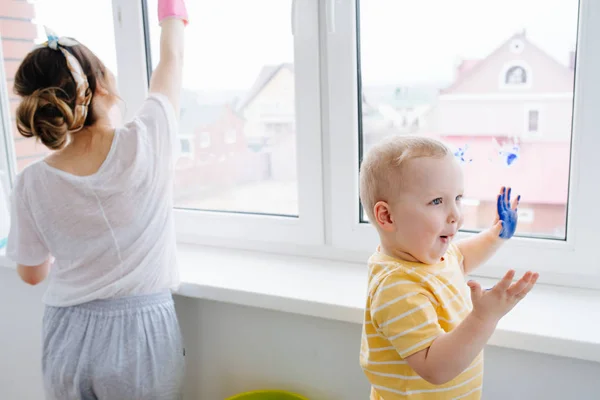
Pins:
<point x="237" y="107"/>
<point x="22" y="27"/>
<point x="494" y="78"/>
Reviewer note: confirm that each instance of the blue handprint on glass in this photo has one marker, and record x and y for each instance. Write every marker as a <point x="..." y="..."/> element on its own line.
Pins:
<point x="507" y="214"/>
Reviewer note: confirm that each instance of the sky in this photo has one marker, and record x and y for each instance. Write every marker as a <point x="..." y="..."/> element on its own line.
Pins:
<point x="402" y="41"/>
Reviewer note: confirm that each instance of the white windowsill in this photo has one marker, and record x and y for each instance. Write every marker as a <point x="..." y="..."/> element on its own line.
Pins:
<point x="551" y="320"/>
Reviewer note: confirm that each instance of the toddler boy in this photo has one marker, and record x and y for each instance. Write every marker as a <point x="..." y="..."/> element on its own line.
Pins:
<point x="425" y="327"/>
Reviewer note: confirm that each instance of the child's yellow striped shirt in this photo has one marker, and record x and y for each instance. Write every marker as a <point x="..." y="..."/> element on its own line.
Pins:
<point x="408" y="306"/>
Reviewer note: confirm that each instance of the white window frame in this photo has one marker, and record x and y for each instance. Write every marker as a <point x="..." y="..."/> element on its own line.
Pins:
<point x="571" y="262"/>
<point x="7" y="153"/>
<point x="8" y="159"/>
<point x="206" y="226"/>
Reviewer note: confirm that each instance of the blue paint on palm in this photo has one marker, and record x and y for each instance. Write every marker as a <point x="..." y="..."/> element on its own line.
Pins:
<point x="507" y="215"/>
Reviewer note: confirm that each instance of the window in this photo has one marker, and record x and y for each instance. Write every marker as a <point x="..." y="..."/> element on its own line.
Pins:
<point x="532" y="123"/>
<point x="187" y="146"/>
<point x="516" y="75"/>
<point x="251" y="118"/>
<point x="251" y="96"/>
<point x="533" y="120"/>
<point x="488" y="127"/>
<point x="272" y="135"/>
<point x="464" y="105"/>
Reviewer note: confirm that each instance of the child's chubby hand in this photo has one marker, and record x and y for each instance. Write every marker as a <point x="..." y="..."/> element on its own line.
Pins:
<point x="491" y="305"/>
<point x="505" y="223"/>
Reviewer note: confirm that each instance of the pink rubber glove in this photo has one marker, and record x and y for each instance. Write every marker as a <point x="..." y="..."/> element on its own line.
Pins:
<point x="172" y="9"/>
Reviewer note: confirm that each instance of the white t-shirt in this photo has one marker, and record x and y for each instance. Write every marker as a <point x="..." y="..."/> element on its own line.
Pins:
<point x="111" y="233"/>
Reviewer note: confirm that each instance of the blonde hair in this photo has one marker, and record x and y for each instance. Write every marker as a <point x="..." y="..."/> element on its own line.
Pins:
<point x="383" y="163"/>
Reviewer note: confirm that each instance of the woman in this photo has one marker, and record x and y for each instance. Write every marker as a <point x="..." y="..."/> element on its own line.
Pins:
<point x="96" y="216"/>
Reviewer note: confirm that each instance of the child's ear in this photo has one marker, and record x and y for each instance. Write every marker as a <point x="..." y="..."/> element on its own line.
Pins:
<point x="383" y="216"/>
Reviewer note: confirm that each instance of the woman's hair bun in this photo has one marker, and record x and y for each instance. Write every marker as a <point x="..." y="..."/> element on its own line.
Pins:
<point x="47" y="115"/>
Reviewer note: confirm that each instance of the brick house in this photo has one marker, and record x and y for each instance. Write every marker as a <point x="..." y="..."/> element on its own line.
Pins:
<point x="214" y="154"/>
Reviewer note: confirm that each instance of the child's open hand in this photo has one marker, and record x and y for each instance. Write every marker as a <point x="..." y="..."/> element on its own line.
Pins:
<point x="505" y="222"/>
<point x="491" y="305"/>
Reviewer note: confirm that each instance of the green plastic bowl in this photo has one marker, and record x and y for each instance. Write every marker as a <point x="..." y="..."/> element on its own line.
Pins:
<point x="267" y="395"/>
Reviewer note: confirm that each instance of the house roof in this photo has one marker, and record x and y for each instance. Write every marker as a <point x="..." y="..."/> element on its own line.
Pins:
<point x="470" y="67"/>
<point x="466" y="66"/>
<point x="265" y="76"/>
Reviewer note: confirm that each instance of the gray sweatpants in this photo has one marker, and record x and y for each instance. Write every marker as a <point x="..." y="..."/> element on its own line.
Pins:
<point x="120" y="349"/>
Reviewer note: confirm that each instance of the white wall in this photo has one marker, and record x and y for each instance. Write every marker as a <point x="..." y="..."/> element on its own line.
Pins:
<point x="20" y="338"/>
<point x="232" y="349"/>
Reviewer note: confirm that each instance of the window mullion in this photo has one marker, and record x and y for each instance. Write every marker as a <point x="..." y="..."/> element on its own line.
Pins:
<point x="130" y="45"/>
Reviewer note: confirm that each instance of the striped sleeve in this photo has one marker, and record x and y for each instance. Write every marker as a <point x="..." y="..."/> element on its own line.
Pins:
<point x="453" y="250"/>
<point x="404" y="313"/>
